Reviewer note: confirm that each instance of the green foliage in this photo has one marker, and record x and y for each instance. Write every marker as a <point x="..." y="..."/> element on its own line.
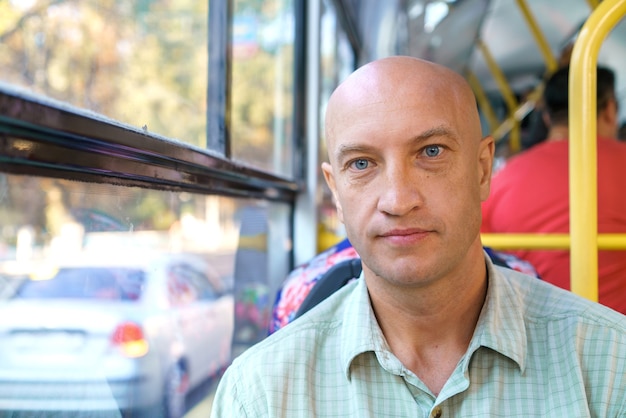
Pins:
<point x="142" y="65"/>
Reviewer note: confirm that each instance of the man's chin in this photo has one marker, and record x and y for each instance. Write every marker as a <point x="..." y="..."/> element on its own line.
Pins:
<point x="405" y="271"/>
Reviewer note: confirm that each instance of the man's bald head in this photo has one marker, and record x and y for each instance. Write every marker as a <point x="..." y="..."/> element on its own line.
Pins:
<point x="407" y="162"/>
<point x="399" y="81"/>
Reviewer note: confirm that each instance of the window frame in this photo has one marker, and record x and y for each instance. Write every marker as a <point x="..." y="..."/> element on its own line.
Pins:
<point x="42" y="138"/>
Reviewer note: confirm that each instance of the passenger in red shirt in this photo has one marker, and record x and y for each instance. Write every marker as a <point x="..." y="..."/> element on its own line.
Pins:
<point x="531" y="192"/>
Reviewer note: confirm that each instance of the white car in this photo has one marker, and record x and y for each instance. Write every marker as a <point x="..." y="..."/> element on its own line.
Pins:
<point x="112" y="335"/>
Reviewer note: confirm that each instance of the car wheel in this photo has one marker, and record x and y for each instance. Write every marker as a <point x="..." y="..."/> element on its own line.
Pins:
<point x="176" y="386"/>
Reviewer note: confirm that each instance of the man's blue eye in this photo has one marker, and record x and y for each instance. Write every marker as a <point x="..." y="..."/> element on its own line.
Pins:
<point x="360" y="164"/>
<point x="432" y="150"/>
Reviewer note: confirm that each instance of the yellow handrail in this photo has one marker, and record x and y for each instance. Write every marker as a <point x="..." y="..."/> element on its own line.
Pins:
<point x="540" y="241"/>
<point x="583" y="148"/>
<point x="583" y="241"/>
<point x="483" y="101"/>
<point x="507" y="94"/>
<point x="593" y="3"/>
<point x="544" y="46"/>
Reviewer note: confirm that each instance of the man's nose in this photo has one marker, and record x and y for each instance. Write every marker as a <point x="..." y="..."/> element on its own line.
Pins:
<point x="399" y="191"/>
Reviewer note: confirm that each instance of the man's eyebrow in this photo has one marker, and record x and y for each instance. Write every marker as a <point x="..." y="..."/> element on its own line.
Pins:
<point x="345" y="149"/>
<point x="436" y="131"/>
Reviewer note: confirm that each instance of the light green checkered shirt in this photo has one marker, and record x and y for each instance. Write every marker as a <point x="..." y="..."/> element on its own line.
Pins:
<point x="537" y="351"/>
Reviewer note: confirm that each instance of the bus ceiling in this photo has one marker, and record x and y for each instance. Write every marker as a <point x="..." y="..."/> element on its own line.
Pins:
<point x="504" y="47"/>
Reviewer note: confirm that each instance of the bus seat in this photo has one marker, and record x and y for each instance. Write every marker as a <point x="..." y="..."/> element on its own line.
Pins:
<point x="331" y="281"/>
<point x="341" y="273"/>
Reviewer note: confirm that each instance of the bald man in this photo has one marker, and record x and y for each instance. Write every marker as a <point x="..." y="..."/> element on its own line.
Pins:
<point x="432" y="328"/>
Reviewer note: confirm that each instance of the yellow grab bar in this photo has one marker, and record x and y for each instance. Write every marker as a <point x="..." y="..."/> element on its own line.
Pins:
<point x="483" y="101"/>
<point x="539" y="241"/>
<point x="583" y="148"/>
<point x="507" y="94"/>
<point x="543" y="44"/>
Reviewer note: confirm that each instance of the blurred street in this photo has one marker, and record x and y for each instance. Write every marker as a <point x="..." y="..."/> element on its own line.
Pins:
<point x="199" y="401"/>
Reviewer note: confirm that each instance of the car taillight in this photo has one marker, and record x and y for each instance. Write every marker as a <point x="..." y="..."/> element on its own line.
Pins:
<point x="129" y="338"/>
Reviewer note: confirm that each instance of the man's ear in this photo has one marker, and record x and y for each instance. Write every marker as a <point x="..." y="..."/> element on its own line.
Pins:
<point x="327" y="169"/>
<point x="486" y="152"/>
<point x="608" y="120"/>
<point x="546" y="118"/>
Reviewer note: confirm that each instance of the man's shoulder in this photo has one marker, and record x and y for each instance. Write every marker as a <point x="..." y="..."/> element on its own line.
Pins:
<point x="516" y="171"/>
<point x="539" y="152"/>
<point x="319" y="329"/>
<point x="611" y="147"/>
<point x="544" y="303"/>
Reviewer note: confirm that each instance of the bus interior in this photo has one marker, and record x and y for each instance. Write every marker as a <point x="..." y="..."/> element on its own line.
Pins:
<point x="134" y="131"/>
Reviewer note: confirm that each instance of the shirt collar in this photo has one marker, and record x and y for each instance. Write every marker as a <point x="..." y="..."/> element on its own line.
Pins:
<point x="500" y="325"/>
<point x="360" y="332"/>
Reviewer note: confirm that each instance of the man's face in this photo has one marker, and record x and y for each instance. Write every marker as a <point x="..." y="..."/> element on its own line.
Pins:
<point x="408" y="175"/>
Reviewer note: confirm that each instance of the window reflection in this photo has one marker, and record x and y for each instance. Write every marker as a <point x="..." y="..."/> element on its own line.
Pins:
<point x="262" y="84"/>
<point x="98" y="283"/>
<point x="115" y="298"/>
<point x="142" y="63"/>
<point x="337" y="61"/>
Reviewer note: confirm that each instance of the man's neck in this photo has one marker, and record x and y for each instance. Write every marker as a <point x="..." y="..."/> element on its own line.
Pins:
<point x="558" y="133"/>
<point x="429" y="333"/>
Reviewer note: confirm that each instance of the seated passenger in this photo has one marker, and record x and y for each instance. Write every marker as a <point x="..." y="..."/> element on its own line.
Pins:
<point x="301" y="280"/>
<point x="432" y="327"/>
<point x="530" y="193"/>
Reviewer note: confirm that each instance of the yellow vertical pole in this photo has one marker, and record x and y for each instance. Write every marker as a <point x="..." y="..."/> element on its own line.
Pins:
<point x="583" y="147"/>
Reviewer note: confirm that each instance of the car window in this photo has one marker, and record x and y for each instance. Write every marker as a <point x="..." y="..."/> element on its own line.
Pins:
<point x="9" y="285"/>
<point x="202" y="283"/>
<point x="187" y="284"/>
<point x="180" y="290"/>
<point x="85" y="283"/>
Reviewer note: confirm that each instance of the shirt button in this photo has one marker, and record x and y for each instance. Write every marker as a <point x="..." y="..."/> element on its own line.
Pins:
<point x="436" y="413"/>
